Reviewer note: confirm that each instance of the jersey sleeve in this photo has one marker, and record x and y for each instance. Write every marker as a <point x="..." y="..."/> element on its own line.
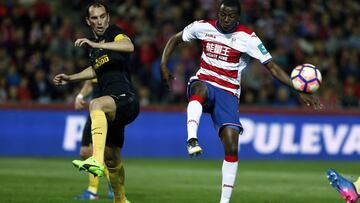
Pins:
<point x="256" y="49"/>
<point x="191" y="31"/>
<point x="117" y="34"/>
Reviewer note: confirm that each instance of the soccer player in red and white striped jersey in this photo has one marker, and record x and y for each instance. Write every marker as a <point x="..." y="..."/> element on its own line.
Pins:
<point x="227" y="47"/>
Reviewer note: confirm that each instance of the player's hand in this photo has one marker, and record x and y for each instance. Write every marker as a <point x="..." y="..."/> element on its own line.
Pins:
<point x="61" y="79"/>
<point x="166" y="76"/>
<point x="311" y="101"/>
<point x="84" y="42"/>
<point x="79" y="102"/>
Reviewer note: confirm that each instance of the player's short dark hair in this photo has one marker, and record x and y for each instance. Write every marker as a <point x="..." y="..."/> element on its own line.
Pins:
<point x="96" y="4"/>
<point x="232" y="3"/>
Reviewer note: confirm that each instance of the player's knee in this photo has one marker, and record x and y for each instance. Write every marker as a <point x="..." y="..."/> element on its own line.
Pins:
<point x="199" y="89"/>
<point x="231" y="150"/>
<point x="111" y="158"/>
<point x="112" y="162"/>
<point x="95" y="104"/>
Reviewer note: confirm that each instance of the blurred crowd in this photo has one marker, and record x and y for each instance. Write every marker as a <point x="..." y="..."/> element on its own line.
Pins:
<point x="37" y="41"/>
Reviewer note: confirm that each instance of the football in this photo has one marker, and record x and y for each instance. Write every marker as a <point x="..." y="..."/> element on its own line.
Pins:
<point x="306" y="78"/>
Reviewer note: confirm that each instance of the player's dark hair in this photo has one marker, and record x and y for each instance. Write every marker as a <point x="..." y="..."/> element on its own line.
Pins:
<point x="232" y="3"/>
<point x="96" y="4"/>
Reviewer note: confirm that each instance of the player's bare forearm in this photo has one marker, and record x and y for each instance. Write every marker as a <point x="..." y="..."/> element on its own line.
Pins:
<point x="279" y="73"/>
<point x="124" y="45"/>
<point x="86" y="88"/>
<point x="86" y="74"/>
<point x="173" y="42"/>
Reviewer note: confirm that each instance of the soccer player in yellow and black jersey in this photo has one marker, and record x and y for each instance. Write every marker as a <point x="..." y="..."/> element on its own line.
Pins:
<point x="119" y="106"/>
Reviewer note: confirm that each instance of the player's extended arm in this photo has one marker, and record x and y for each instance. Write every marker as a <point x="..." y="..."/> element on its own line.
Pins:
<point x="173" y="42"/>
<point x="120" y="44"/>
<point x="283" y="77"/>
<point x="279" y="73"/>
<point x="123" y="45"/>
<point x="86" y="74"/>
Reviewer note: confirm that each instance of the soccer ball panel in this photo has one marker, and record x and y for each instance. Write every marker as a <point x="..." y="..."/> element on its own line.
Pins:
<point x="296" y="71"/>
<point x="298" y="83"/>
<point x="308" y="73"/>
<point x="312" y="86"/>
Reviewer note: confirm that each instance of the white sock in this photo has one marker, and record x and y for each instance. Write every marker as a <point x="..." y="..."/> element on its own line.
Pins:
<point x="194" y="111"/>
<point x="229" y="170"/>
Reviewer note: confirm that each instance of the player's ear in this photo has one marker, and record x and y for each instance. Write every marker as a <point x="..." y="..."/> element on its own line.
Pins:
<point x="108" y="18"/>
<point x="87" y="21"/>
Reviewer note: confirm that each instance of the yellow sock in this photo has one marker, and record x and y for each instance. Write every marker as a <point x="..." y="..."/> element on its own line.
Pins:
<point x="93" y="183"/>
<point x="98" y="131"/>
<point x="117" y="178"/>
<point x="357" y="185"/>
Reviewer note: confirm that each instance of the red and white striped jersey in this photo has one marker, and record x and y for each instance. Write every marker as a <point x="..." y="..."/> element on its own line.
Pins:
<point x="224" y="56"/>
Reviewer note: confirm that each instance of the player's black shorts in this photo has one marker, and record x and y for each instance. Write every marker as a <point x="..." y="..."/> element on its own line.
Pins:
<point x="127" y="109"/>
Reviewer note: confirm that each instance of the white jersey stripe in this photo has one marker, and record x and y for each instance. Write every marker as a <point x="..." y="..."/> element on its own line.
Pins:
<point x="226" y="73"/>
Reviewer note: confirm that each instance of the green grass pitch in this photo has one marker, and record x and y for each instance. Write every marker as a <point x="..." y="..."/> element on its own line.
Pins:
<point x="55" y="180"/>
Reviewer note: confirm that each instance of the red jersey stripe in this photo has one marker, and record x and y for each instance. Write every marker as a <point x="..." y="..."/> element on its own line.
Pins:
<point x="218" y="81"/>
<point x="224" y="72"/>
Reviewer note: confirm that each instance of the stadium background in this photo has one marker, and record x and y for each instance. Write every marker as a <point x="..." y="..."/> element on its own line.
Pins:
<point x="37" y="119"/>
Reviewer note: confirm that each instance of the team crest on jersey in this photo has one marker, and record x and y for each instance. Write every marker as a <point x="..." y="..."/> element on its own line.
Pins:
<point x="262" y="49"/>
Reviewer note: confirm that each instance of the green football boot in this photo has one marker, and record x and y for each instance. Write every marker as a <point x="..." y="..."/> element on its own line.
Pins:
<point x="90" y="165"/>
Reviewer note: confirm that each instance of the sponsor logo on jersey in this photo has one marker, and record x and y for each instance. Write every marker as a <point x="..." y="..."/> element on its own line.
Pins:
<point x="101" y="61"/>
<point x="217" y="51"/>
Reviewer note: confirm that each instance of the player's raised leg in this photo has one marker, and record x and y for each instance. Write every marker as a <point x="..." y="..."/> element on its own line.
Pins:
<point x="194" y="111"/>
<point x="346" y="188"/>
<point x="229" y="137"/>
<point x="99" y="107"/>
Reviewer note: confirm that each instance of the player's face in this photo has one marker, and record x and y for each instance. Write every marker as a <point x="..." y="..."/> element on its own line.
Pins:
<point x="98" y="20"/>
<point x="228" y="17"/>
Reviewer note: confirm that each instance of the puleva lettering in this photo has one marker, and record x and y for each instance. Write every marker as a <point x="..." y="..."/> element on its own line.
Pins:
<point x="303" y="139"/>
